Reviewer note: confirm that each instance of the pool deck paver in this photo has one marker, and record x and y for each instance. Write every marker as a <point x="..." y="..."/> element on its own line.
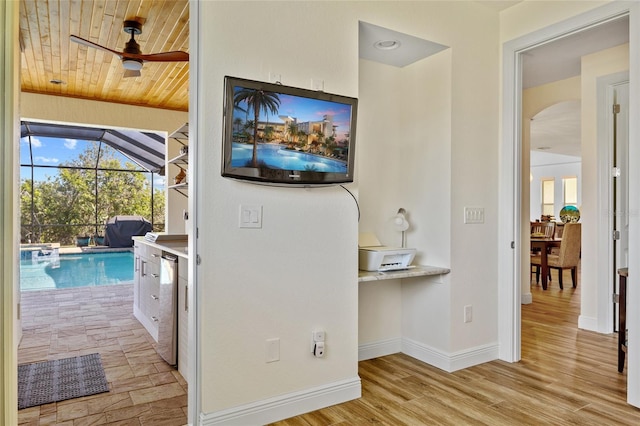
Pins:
<point x="143" y="389"/>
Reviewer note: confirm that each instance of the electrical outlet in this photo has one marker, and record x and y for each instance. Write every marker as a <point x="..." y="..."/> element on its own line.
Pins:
<point x="318" y="350"/>
<point x="468" y="313"/>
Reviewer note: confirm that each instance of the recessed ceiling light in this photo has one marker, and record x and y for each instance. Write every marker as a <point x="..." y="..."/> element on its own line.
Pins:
<point x="56" y="81"/>
<point x="386" y="44"/>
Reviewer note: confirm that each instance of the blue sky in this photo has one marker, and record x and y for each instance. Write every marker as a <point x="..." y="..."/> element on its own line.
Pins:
<point x="307" y="109"/>
<point x="54" y="152"/>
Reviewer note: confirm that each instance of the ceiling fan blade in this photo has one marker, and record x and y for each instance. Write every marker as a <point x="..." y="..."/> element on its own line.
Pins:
<point x="131" y="73"/>
<point x="88" y="43"/>
<point x="175" y="56"/>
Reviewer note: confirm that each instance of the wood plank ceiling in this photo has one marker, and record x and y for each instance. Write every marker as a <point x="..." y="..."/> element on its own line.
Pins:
<point x="89" y="73"/>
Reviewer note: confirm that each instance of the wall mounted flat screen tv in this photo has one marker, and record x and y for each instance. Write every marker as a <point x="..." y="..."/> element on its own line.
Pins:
<point x="282" y="135"/>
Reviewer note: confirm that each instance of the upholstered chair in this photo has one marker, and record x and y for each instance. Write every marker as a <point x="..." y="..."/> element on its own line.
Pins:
<point x="568" y="256"/>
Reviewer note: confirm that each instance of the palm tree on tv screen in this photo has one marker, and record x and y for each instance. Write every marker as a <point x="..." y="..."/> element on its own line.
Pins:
<point x="257" y="100"/>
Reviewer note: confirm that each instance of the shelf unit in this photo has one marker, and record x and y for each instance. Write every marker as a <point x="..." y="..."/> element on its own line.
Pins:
<point x="181" y="136"/>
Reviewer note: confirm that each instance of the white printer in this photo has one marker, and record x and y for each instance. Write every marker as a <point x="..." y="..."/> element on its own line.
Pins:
<point x="372" y="256"/>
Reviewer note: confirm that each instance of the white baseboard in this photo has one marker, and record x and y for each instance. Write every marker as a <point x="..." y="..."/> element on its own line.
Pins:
<point x="444" y="361"/>
<point x="526" y="298"/>
<point x="380" y="348"/>
<point x="450" y="362"/>
<point x="588" y="323"/>
<point x="296" y="403"/>
<point x="285" y="406"/>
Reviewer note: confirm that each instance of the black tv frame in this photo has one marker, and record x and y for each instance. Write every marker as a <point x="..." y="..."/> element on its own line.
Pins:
<point x="265" y="174"/>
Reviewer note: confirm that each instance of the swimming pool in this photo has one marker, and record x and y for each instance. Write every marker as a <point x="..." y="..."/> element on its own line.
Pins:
<point x="76" y="270"/>
<point x="279" y="157"/>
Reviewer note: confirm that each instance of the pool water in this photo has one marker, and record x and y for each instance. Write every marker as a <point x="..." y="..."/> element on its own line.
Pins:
<point x="276" y="156"/>
<point x="76" y="270"/>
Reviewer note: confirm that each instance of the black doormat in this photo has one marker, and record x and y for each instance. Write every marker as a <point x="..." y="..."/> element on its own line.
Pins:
<point x="50" y="381"/>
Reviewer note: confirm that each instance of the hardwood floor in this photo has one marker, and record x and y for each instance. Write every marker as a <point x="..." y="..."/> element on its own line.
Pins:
<point x="143" y="388"/>
<point x="566" y="377"/>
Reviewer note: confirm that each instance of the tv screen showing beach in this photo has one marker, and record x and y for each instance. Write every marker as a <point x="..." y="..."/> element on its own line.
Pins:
<point x="275" y="127"/>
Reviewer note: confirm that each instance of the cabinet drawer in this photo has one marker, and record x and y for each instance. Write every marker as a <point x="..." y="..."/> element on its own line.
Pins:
<point x="149" y="292"/>
<point x="149" y="304"/>
<point x="149" y="269"/>
<point x="153" y="254"/>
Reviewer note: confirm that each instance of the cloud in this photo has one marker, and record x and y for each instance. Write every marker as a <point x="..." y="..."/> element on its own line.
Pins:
<point x="70" y="143"/>
<point x="159" y="181"/>
<point x="35" y="142"/>
<point x="46" y="160"/>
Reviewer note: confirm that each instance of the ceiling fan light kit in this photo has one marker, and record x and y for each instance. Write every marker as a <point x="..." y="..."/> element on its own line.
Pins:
<point x="132" y="64"/>
<point x="132" y="57"/>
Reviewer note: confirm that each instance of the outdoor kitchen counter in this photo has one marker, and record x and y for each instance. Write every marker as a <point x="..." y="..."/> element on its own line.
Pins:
<point x="150" y="264"/>
<point x="179" y="247"/>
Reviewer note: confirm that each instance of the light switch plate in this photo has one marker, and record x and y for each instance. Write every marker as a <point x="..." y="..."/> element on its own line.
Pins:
<point x="474" y="215"/>
<point x="250" y="216"/>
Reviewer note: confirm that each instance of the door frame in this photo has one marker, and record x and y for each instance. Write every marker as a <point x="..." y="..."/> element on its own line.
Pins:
<point x="510" y="192"/>
<point x="10" y="130"/>
<point x="606" y="85"/>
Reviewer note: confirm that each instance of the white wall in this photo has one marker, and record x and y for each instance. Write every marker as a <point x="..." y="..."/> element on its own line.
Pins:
<point x="529" y="16"/>
<point x="412" y="144"/>
<point x="51" y="108"/>
<point x="430" y="133"/>
<point x="299" y="271"/>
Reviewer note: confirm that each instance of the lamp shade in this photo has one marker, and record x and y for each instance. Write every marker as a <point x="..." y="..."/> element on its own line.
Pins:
<point x="400" y="221"/>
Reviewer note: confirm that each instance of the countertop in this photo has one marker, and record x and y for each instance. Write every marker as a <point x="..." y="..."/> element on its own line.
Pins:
<point x="416" y="271"/>
<point x="177" y="247"/>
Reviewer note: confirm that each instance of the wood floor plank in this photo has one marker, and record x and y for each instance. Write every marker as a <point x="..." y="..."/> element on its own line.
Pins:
<point x="566" y="376"/>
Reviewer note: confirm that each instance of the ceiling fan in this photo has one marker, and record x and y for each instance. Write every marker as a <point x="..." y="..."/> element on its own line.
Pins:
<point x="132" y="57"/>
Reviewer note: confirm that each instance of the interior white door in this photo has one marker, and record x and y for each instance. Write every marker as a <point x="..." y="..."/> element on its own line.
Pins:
<point x="620" y="191"/>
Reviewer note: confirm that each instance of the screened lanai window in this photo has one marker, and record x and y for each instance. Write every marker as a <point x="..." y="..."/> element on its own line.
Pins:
<point x="70" y="187"/>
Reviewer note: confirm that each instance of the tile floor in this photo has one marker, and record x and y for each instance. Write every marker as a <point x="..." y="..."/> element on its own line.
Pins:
<point x="144" y="389"/>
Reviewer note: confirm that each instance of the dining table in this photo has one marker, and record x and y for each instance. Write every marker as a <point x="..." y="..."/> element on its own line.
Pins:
<point x="544" y="244"/>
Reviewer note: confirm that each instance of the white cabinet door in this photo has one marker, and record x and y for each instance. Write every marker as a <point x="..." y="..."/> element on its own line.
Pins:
<point x="183" y="318"/>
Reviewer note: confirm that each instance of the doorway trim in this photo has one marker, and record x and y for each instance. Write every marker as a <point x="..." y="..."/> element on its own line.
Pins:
<point x="509" y="237"/>
<point x="605" y="100"/>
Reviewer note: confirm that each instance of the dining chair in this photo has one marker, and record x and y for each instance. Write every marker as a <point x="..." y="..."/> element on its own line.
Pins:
<point x="557" y="234"/>
<point x="568" y="256"/>
<point x="543" y="229"/>
<point x="540" y="229"/>
<point x="623" y="273"/>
